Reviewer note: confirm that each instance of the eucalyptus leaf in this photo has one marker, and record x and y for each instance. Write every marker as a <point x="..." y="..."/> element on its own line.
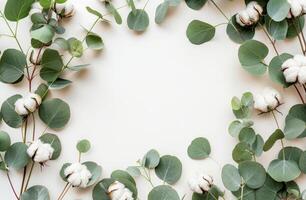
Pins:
<point x="59" y="83"/>
<point x="16" y="156"/>
<point x="258" y="145"/>
<point x="75" y="47"/>
<point x="247" y="135"/>
<point x="278" y="9"/>
<point x="120" y="175"/>
<point x="276" y="135"/>
<point x="36" y="192"/>
<point x="55" y="143"/>
<point x="231" y="177"/>
<point x="295" y="124"/>
<point x="161" y="12"/>
<point x="95" y="170"/>
<point x="51" y="64"/>
<point x="100" y="191"/>
<point x="296" y="25"/>
<point x="275" y="69"/>
<point x="138" y="20"/>
<point x="83" y="146"/>
<point x="110" y="7"/>
<point x="199" y="149"/>
<point x="283" y="170"/>
<point x="253" y="174"/>
<point x="236" y="126"/>
<point x="278" y="30"/>
<point x="302" y="162"/>
<point x="238" y="33"/>
<point x="44" y="34"/>
<point x="242" y="152"/>
<point x="94" y="41"/>
<point x="151" y="159"/>
<point x="5" y="141"/>
<point x="55" y="113"/>
<point x="10" y="117"/>
<point x="269" y="190"/>
<point x="163" y="192"/>
<point x="134" y="171"/>
<point x="16" y="10"/>
<point x="290" y="153"/>
<point x="169" y="169"/>
<point x="195" y="4"/>
<point x="199" y="32"/>
<point x="94" y="12"/>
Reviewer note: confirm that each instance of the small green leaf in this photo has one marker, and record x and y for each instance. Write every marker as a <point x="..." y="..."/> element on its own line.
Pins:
<point x="253" y="174"/>
<point x="55" y="143"/>
<point x="199" y="32"/>
<point x="275" y="69"/>
<point x="43" y="34"/>
<point x="133" y="171"/>
<point x="138" y="20"/>
<point x="283" y="170"/>
<point x="302" y="162"/>
<point x="16" y="156"/>
<point x="247" y="135"/>
<point x="83" y="146"/>
<point x="94" y="12"/>
<point x="278" y="30"/>
<point x="238" y="33"/>
<point x="16" y="10"/>
<point x="59" y="84"/>
<point x="199" y="148"/>
<point x="161" y="12"/>
<point x="100" y="191"/>
<point x="111" y="9"/>
<point x="75" y="47"/>
<point x="95" y="171"/>
<point x="278" y="9"/>
<point x="36" y="192"/>
<point x="94" y="41"/>
<point x="295" y="125"/>
<point x="195" y="4"/>
<point x="51" y="64"/>
<point x="163" y="192"/>
<point x="10" y="117"/>
<point x="242" y="152"/>
<point x="151" y="159"/>
<point x="5" y="141"/>
<point x="169" y="169"/>
<point x="231" y="178"/>
<point x="276" y="135"/>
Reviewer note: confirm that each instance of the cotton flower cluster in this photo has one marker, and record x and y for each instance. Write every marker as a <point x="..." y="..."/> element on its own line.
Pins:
<point x="268" y="100"/>
<point x="297" y="8"/>
<point x="77" y="175"/>
<point x="40" y="152"/>
<point x="295" y="69"/>
<point x="118" y="191"/>
<point x="201" y="183"/>
<point x="250" y="15"/>
<point x="65" y="10"/>
<point x="28" y="104"/>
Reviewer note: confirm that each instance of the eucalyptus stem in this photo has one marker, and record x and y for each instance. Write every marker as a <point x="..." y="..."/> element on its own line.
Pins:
<point x="242" y="191"/>
<point x="281" y="140"/>
<point x="220" y="10"/>
<point x="29" y="176"/>
<point x="270" y="39"/>
<point x="63" y="192"/>
<point x="299" y="93"/>
<point x="303" y="46"/>
<point x="34" y="127"/>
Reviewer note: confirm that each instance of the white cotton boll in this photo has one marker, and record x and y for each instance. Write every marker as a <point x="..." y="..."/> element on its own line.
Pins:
<point x="36" y="97"/>
<point x="254" y="10"/>
<point x="243" y="18"/>
<point x="260" y="103"/>
<point x="65" y="10"/>
<point x="200" y="183"/>
<point x="296" y="8"/>
<point x="127" y="195"/>
<point x="19" y="107"/>
<point x="294" y="69"/>
<point x="194" y="186"/>
<point x="300" y="60"/>
<point x="36" y="8"/>
<point x="291" y="74"/>
<point x="289" y="63"/>
<point x="32" y="101"/>
<point x="40" y="152"/>
<point x="118" y="191"/>
<point x="78" y="175"/>
<point x="302" y="75"/>
<point x="269" y="100"/>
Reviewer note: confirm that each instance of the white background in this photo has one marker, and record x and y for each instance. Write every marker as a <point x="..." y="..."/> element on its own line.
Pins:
<point x="150" y="90"/>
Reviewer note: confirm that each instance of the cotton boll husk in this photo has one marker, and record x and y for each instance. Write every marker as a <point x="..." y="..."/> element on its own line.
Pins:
<point x="36" y="97"/>
<point x="19" y="107"/>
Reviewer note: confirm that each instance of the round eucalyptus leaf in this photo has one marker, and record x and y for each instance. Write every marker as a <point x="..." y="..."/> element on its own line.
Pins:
<point x="120" y="175"/>
<point x="276" y="135"/>
<point x="75" y="47"/>
<point x="278" y="30"/>
<point x="151" y="159"/>
<point x="163" y="192"/>
<point x="134" y="171"/>
<point x="94" y="41"/>
<point x="16" y="9"/>
<point x="100" y="191"/>
<point x="5" y="141"/>
<point x="199" y="148"/>
<point x="10" y="117"/>
<point x="278" y="9"/>
<point x="238" y="33"/>
<point x="16" y="156"/>
<point x="247" y="135"/>
<point x="36" y="192"/>
<point x="161" y="12"/>
<point x="295" y="26"/>
<point x="247" y="194"/>
<point x="290" y="153"/>
<point x="195" y="4"/>
<point x="302" y="162"/>
<point x="55" y="143"/>
<point x="83" y="146"/>
<point x="62" y="171"/>
<point x="253" y="174"/>
<point x="55" y="113"/>
<point x="12" y="65"/>
<point x="295" y="122"/>
<point x="59" y="83"/>
<point x="95" y="171"/>
<point x="199" y="32"/>
<point x="252" y="53"/>
<point x="138" y="20"/>
<point x="275" y="69"/>
<point x="258" y="145"/>
<point x="231" y="178"/>
<point x="169" y="169"/>
<point x="242" y="152"/>
<point x="52" y="64"/>
<point x="269" y="190"/>
<point x="284" y="170"/>
<point x="44" y="34"/>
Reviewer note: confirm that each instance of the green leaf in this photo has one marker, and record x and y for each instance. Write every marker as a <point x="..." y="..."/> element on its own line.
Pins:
<point x="199" y="32"/>
<point x="38" y="18"/>
<point x="111" y="9"/>
<point x="247" y="135"/>
<point x="138" y="20"/>
<point x="133" y="171"/>
<point x="16" y="156"/>
<point x="5" y="141"/>
<point x="55" y="113"/>
<point x="75" y="47"/>
<point x="94" y="12"/>
<point x="295" y="125"/>
<point x="37" y="192"/>
<point x="258" y="145"/>
<point x="163" y="192"/>
<point x="131" y="4"/>
<point x="100" y="191"/>
<point x="213" y="194"/>
<point x="251" y="55"/>
<point x="42" y="90"/>
<point x="278" y="9"/>
<point x="275" y="69"/>
<point x="62" y="171"/>
<point x="95" y="171"/>
<point x="269" y="190"/>
<point x="46" y="3"/>
<point x="10" y="117"/>
<point x="51" y="64"/>
<point x="293" y="24"/>
<point x="62" y="43"/>
<point x="276" y="135"/>
<point x="173" y="2"/>
<point x="236" y="126"/>
<point x="302" y="162"/>
<point x="237" y="33"/>
<point x="283" y="170"/>
<point x="55" y="143"/>
<point x="43" y="34"/>
<point x="78" y="68"/>
<point x="161" y="12"/>
<point x="195" y="4"/>
<point x="278" y="30"/>
<point x="247" y="194"/>
<point x="169" y="169"/>
<point x="83" y="146"/>
<point x="94" y="41"/>
<point x="151" y="159"/>
<point x="253" y="174"/>
<point x="199" y="148"/>
<point x="17" y="9"/>
<point x="12" y="65"/>
<point x="242" y="152"/>
<point x="59" y="84"/>
<point x="291" y="153"/>
<point x="120" y="175"/>
<point x="231" y="178"/>
<point x="243" y="108"/>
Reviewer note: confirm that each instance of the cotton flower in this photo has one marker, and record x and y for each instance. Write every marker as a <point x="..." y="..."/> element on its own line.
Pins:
<point x="40" y="152"/>
<point x="78" y="175"/>
<point x="268" y="100"/>
<point x="297" y="8"/>
<point x="250" y="15"/>
<point x="118" y="191"/>
<point x="200" y="183"/>
<point x="294" y="69"/>
<point x="28" y="104"/>
<point x="65" y="10"/>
